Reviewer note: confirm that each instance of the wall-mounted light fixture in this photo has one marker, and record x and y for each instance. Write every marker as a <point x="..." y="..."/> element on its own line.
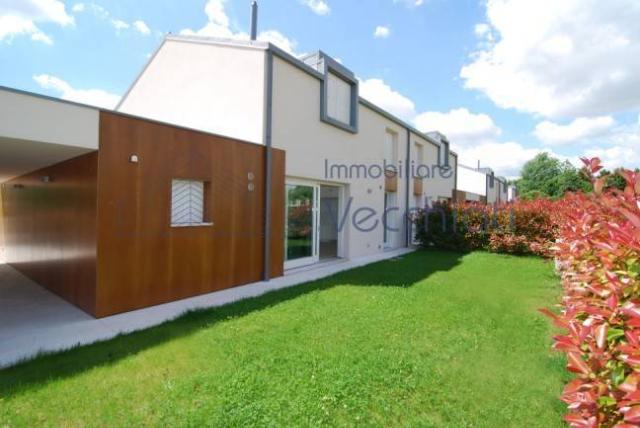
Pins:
<point x="45" y="179"/>
<point x="134" y="159"/>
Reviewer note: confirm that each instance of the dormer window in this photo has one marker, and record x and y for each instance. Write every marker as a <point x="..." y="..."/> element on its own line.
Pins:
<point x="444" y="150"/>
<point x="339" y="99"/>
<point x="339" y="92"/>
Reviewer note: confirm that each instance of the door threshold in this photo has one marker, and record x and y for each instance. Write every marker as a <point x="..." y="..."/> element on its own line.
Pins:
<point x="317" y="265"/>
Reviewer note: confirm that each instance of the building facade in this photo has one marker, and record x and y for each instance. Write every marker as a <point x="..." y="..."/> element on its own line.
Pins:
<point x="349" y="176"/>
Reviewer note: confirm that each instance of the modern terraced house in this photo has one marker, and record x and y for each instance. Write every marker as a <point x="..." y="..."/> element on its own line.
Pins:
<point x="226" y="163"/>
<point x="337" y="144"/>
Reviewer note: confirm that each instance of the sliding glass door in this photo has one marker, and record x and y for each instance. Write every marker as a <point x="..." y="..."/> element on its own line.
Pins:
<point x="301" y="231"/>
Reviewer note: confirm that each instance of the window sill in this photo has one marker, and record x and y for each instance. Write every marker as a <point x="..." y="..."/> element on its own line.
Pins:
<point x="179" y="226"/>
<point x="338" y="124"/>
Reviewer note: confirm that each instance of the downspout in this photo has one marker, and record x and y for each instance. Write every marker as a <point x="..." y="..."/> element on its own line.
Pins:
<point x="407" y="169"/>
<point x="455" y="181"/>
<point x="486" y="185"/>
<point x="266" y="274"/>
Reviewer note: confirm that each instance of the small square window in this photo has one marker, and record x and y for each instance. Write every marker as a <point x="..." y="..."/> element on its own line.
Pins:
<point x="190" y="203"/>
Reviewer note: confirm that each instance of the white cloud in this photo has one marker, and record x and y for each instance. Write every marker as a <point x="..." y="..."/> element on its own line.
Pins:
<point x="96" y="97"/>
<point x="505" y="159"/>
<point x="142" y="27"/>
<point x="474" y="136"/>
<point x="577" y="131"/>
<point x="460" y="125"/>
<point x="218" y="25"/>
<point x="413" y="3"/>
<point x="559" y="58"/>
<point x="319" y="7"/>
<point x="119" y="24"/>
<point x="481" y="30"/>
<point x="381" y="32"/>
<point x="381" y="94"/>
<point x="19" y="18"/>
<point x="615" y="157"/>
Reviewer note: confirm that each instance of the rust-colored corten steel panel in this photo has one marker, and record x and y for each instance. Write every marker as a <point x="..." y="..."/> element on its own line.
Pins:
<point x="50" y="228"/>
<point x="142" y="260"/>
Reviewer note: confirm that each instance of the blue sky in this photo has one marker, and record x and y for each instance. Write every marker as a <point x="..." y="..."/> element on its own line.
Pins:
<point x="504" y="79"/>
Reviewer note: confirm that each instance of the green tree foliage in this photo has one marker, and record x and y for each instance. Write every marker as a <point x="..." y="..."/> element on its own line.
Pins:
<point x="545" y="176"/>
<point x="614" y="179"/>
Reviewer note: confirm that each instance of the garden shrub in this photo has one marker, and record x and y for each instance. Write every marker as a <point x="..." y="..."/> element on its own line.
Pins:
<point x="598" y="255"/>
<point x="524" y="227"/>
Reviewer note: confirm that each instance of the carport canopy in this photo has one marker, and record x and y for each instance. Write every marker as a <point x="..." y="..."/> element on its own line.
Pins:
<point x="38" y="131"/>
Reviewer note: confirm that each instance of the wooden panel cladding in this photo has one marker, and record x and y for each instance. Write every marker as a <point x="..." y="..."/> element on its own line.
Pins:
<point x="142" y="260"/>
<point x="50" y="228"/>
<point x="417" y="186"/>
<point x="390" y="181"/>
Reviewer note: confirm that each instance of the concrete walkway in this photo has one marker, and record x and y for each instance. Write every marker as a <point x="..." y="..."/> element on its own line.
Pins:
<point x="33" y="320"/>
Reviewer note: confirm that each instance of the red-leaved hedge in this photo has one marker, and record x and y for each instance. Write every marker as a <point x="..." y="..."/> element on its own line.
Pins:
<point x="598" y="256"/>
<point x="523" y="227"/>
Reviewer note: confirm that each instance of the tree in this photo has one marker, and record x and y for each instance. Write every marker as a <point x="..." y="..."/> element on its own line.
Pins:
<point x="614" y="179"/>
<point x="547" y="176"/>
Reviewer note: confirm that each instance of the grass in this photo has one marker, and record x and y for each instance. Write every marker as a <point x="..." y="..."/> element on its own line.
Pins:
<point x="432" y="339"/>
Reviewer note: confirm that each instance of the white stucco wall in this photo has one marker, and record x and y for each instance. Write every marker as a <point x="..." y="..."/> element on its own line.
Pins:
<point x="214" y="88"/>
<point x="311" y="145"/>
<point x="492" y="193"/>
<point x="472" y="181"/>
<point x="36" y="132"/>
<point x="440" y="183"/>
<point x="32" y="118"/>
<point x="503" y="192"/>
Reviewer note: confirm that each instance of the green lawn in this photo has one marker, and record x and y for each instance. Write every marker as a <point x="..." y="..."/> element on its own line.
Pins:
<point x="432" y="339"/>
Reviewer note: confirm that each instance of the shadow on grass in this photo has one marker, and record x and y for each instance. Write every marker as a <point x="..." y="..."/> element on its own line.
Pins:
<point x="400" y="272"/>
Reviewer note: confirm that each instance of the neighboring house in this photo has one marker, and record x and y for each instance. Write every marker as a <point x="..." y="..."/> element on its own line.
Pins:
<point x="512" y="193"/>
<point x="472" y="184"/>
<point x="337" y="144"/>
<point x="496" y="187"/>
<point x="115" y="213"/>
<point x="481" y="185"/>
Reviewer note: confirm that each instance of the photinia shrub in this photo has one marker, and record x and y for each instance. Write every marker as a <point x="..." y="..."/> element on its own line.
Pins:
<point x="523" y="227"/>
<point x="598" y="256"/>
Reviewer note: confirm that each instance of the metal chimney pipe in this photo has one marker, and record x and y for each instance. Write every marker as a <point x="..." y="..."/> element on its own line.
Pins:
<point x="254" y="20"/>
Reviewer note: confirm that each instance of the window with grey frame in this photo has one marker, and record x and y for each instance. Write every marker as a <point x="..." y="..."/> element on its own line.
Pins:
<point x="444" y="151"/>
<point x="339" y="96"/>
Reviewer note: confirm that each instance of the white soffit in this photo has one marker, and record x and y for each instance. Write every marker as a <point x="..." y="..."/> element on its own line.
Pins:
<point x="18" y="157"/>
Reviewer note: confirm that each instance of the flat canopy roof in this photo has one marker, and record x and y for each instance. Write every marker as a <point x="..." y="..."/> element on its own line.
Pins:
<point x="37" y="131"/>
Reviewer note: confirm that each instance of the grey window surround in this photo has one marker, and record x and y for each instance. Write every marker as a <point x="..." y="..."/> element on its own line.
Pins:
<point x="444" y="158"/>
<point x="329" y="65"/>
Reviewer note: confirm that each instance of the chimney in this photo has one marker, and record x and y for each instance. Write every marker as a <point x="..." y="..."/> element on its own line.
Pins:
<point x="254" y="20"/>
